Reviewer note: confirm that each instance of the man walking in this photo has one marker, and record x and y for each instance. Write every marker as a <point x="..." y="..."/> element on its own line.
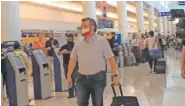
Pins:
<point x="92" y="52"/>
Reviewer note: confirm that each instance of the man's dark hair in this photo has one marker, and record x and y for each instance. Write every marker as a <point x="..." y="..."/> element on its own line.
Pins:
<point x="69" y="35"/>
<point x="2" y="45"/>
<point x="151" y="33"/>
<point x="92" y="21"/>
<point x="113" y="33"/>
<point x="17" y="46"/>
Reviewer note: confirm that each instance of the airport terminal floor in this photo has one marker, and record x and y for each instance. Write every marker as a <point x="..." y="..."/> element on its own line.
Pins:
<point x="151" y="89"/>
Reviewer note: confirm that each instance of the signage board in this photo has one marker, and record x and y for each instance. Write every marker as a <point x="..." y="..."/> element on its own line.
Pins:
<point x="102" y="23"/>
<point x="177" y="13"/>
<point x="181" y="2"/>
<point x="162" y="14"/>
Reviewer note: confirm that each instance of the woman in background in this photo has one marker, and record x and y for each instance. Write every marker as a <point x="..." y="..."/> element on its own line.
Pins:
<point x="135" y="44"/>
<point x="142" y="47"/>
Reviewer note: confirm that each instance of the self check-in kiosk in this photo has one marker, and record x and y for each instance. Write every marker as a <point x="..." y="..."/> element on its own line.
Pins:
<point x="17" y="84"/>
<point x="41" y="75"/>
<point x="60" y="80"/>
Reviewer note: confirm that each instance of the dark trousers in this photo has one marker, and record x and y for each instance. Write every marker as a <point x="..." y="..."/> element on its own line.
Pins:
<point x="93" y="85"/>
<point x="152" y="62"/>
<point x="74" y="74"/>
<point x="143" y="54"/>
<point x="136" y="51"/>
<point x="162" y="52"/>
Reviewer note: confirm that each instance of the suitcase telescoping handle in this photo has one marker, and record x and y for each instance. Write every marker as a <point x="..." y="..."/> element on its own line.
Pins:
<point x="120" y="89"/>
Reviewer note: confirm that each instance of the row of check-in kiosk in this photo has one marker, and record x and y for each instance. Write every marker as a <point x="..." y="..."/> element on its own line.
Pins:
<point x="17" y="82"/>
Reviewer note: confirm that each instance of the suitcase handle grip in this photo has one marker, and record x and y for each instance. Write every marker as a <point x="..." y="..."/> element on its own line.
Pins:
<point x="114" y="92"/>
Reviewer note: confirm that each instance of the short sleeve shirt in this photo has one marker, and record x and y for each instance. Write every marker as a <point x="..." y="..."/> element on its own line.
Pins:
<point x="66" y="57"/>
<point x="92" y="54"/>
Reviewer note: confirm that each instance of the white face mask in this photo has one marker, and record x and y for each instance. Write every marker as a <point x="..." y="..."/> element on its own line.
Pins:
<point x="85" y="30"/>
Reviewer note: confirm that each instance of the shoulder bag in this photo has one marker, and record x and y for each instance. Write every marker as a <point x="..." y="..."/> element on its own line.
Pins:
<point x="155" y="53"/>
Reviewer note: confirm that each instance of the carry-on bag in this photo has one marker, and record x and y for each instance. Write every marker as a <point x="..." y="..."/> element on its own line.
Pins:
<point x="123" y="100"/>
<point x="128" y="59"/>
<point x="160" y="66"/>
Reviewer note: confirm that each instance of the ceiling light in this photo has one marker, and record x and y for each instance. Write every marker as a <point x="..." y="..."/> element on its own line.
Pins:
<point x="68" y="7"/>
<point x="79" y="9"/>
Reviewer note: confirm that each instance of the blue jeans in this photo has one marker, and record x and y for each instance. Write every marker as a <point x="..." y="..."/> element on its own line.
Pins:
<point x="93" y="85"/>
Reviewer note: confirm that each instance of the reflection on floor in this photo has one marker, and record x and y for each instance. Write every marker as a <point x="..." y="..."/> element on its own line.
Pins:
<point x="151" y="90"/>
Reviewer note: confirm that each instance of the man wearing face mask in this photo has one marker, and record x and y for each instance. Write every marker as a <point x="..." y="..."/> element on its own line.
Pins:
<point x="91" y="52"/>
<point x="65" y="50"/>
<point x="50" y="45"/>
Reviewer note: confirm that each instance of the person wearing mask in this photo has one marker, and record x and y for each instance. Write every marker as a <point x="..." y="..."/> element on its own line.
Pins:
<point x="152" y="44"/>
<point x="183" y="60"/>
<point x="65" y="50"/>
<point x="50" y="46"/>
<point x="91" y="52"/>
<point x="135" y="48"/>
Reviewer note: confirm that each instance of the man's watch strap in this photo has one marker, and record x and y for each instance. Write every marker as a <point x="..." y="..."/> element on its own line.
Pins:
<point x="114" y="75"/>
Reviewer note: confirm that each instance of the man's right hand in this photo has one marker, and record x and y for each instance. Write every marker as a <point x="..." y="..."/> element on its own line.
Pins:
<point x="65" y="51"/>
<point x="69" y="82"/>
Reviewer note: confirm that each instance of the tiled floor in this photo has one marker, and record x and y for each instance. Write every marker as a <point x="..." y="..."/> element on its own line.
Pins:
<point x="151" y="90"/>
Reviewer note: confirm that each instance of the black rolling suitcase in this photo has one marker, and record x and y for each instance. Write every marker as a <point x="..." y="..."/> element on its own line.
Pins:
<point x="123" y="100"/>
<point x="160" y="66"/>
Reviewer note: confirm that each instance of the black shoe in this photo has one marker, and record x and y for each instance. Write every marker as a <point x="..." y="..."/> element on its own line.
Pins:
<point x="69" y="97"/>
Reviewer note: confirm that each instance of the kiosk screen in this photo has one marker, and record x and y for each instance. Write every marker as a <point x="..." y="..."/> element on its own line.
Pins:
<point x="18" y="62"/>
<point x="42" y="58"/>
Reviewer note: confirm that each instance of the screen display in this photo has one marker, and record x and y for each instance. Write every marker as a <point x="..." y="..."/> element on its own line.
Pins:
<point x="42" y="58"/>
<point x="177" y="13"/>
<point x="102" y="23"/>
<point x="18" y="62"/>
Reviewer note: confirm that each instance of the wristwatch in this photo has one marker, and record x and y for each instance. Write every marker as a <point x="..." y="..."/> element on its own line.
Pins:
<point x="114" y="75"/>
